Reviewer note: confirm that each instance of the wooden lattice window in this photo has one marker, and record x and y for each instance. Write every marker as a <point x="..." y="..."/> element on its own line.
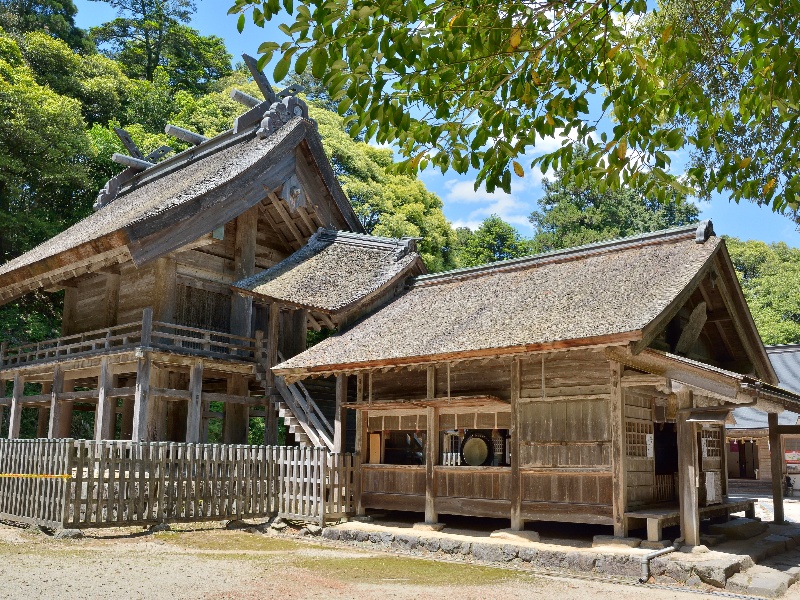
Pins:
<point x="711" y="443"/>
<point x="636" y="433"/>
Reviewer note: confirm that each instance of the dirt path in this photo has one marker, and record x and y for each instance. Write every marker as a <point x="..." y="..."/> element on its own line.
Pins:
<point x="214" y="563"/>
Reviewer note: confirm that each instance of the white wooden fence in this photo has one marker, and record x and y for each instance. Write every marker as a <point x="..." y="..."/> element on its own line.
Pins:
<point x="81" y="483"/>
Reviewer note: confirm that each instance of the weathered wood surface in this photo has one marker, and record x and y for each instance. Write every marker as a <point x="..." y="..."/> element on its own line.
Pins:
<point x="79" y="484"/>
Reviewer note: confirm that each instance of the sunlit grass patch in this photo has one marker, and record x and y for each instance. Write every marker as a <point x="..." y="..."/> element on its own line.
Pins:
<point x="230" y="541"/>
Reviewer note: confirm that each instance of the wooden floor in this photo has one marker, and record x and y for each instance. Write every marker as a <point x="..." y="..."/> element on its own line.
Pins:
<point x="665" y="515"/>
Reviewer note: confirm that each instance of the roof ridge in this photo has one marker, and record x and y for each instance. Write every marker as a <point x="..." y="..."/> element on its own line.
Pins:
<point x="700" y="232"/>
<point x="781" y="348"/>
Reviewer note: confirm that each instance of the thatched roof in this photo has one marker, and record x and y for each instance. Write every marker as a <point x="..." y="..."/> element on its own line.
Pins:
<point x="600" y="293"/>
<point x="335" y="270"/>
<point x="196" y="185"/>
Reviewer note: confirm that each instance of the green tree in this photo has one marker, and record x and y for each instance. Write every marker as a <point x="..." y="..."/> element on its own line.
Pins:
<point x="494" y="240"/>
<point x="574" y="210"/>
<point x="770" y="278"/>
<point x="153" y="33"/>
<point x="53" y="17"/>
<point x="475" y="85"/>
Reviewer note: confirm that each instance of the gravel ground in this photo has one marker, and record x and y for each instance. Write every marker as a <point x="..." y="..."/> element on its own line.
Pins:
<point x="215" y="563"/>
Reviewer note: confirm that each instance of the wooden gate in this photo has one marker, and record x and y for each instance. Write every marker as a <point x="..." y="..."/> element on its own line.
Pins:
<point x="80" y="483"/>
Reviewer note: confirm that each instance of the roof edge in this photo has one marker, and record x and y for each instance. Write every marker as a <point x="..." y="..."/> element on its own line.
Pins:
<point x="700" y="232"/>
<point x="601" y="340"/>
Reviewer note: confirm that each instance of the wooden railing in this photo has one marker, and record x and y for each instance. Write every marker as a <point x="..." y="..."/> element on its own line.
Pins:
<point x="80" y="484"/>
<point x="664" y="489"/>
<point x="147" y="333"/>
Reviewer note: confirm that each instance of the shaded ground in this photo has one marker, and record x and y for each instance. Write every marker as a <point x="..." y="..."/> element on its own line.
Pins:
<point x="214" y="563"/>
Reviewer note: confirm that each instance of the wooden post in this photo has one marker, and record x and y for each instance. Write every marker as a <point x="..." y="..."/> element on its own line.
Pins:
<point x="236" y="422"/>
<point x="147" y="327"/>
<point x="106" y="413"/>
<point x="273" y="331"/>
<point x="776" y="460"/>
<point x="65" y="409"/>
<point x="687" y="473"/>
<point x="359" y="446"/>
<point x="340" y="417"/>
<point x="141" y="400"/>
<point x="195" y="413"/>
<point x="724" y="455"/>
<point x="431" y="450"/>
<point x="517" y="522"/>
<point x="15" y="417"/>
<point x="618" y="471"/>
<point x="244" y="261"/>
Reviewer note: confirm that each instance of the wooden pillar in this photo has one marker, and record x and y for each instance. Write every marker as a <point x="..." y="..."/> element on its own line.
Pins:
<point x="776" y="461"/>
<point x="517" y="522"/>
<point x="273" y="332"/>
<point x="340" y="417"/>
<point x="66" y="409"/>
<point x="194" y="415"/>
<point x="126" y="423"/>
<point x="112" y="299"/>
<point x="618" y="472"/>
<point x="724" y="461"/>
<point x="15" y="417"/>
<point x="244" y="259"/>
<point x="431" y="450"/>
<point x="56" y="408"/>
<point x="360" y="450"/>
<point x="165" y="290"/>
<point x="688" y="476"/>
<point x="236" y="422"/>
<point x="106" y="413"/>
<point x="70" y="310"/>
<point x="300" y="330"/>
<point x="141" y="400"/>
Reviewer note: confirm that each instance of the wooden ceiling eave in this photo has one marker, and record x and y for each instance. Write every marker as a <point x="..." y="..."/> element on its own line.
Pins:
<point x="441" y="402"/>
<point x="75" y="265"/>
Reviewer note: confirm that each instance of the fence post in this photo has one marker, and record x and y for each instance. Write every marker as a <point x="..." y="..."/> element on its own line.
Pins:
<point x="147" y="326"/>
<point x="323" y="487"/>
<point x="69" y="459"/>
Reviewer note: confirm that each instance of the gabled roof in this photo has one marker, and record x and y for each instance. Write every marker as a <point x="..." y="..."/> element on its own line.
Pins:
<point x="749" y="417"/>
<point x="335" y="270"/>
<point x="177" y="201"/>
<point x="785" y="359"/>
<point x="605" y="293"/>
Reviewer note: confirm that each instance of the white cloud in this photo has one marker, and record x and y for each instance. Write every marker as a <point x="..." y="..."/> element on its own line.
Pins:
<point x="513" y="208"/>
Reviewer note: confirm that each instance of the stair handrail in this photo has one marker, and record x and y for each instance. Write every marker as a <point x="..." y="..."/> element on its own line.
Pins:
<point x="297" y="411"/>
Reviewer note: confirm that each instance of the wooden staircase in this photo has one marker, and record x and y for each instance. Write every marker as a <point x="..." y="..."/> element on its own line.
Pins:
<point x="301" y="415"/>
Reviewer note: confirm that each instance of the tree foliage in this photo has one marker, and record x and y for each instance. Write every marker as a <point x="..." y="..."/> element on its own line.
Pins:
<point x="492" y="241"/>
<point x="52" y="17"/>
<point x="152" y="34"/>
<point x="574" y="211"/>
<point x="770" y="278"/>
<point x="475" y="84"/>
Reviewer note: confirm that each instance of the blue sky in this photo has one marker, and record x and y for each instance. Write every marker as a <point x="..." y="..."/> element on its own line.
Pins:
<point x="462" y="204"/>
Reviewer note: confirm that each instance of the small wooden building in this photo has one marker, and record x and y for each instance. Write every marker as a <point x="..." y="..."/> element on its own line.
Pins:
<point x="588" y="385"/>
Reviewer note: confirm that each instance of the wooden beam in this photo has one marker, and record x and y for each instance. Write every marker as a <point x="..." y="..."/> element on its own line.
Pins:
<point x="194" y="415"/>
<point x="340" y="416"/>
<point x="70" y="311"/>
<point x="777" y="461"/>
<point x="105" y="417"/>
<point x="619" y="494"/>
<point x="141" y="401"/>
<point x="244" y="259"/>
<point x="278" y="204"/>
<point x="56" y="407"/>
<point x="360" y="450"/>
<point x="688" y="475"/>
<point x="787" y="429"/>
<point x="165" y="290"/>
<point x="431" y="450"/>
<point x="517" y="522"/>
<point x="111" y="299"/>
<point x="15" y="418"/>
<point x="691" y="332"/>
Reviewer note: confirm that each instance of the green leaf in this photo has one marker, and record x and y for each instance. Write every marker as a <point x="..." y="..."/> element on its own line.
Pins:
<point x="281" y="69"/>
<point x="319" y="62"/>
<point x="301" y="63"/>
<point x="240" y="23"/>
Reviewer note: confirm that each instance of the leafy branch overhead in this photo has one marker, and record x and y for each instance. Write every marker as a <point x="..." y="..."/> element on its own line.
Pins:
<point x="477" y="85"/>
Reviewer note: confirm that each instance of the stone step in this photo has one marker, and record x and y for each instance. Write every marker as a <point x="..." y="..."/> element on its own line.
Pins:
<point x="762" y="581"/>
<point x="738" y="529"/>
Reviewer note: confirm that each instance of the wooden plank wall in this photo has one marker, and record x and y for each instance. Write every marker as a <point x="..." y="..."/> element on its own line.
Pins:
<point x="565" y="432"/>
<point x="640" y="470"/>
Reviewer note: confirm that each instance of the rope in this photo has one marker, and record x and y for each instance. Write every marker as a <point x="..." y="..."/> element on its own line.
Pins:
<point x="33" y="476"/>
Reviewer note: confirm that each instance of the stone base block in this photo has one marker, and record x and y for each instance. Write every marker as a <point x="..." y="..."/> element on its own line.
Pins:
<point x="515" y="536"/>
<point x="613" y="540"/>
<point x="429" y="526"/>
